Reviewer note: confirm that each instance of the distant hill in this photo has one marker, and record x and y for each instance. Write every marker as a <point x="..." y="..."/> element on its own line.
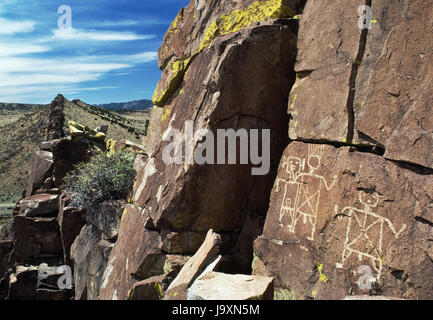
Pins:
<point x="133" y="105"/>
<point x="24" y="127"/>
<point x="19" y="106"/>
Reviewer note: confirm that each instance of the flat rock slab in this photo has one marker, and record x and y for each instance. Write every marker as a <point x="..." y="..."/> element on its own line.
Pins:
<point x="394" y="85"/>
<point x="39" y="205"/>
<point x="220" y="286"/>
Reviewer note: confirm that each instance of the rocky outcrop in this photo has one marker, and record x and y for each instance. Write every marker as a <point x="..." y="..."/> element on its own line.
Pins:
<point x="57" y="118"/>
<point x="350" y="212"/>
<point x="42" y="169"/>
<point x="44" y="224"/>
<point x="91" y="249"/>
<point x="173" y="201"/>
<point x="344" y="210"/>
<point x="89" y="254"/>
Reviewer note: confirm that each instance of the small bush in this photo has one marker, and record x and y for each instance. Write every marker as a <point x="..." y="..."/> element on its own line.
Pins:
<point x="103" y="178"/>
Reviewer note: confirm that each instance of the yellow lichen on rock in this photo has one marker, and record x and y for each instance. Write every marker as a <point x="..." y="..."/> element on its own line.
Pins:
<point x="322" y="276"/>
<point x="177" y="71"/>
<point x="233" y="21"/>
<point x="165" y="114"/>
<point x="239" y="19"/>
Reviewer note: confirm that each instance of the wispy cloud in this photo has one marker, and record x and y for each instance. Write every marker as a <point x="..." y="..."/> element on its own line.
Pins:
<point x="9" y="49"/>
<point x="71" y="34"/>
<point x="20" y="71"/>
<point x="10" y="27"/>
<point x="145" y="21"/>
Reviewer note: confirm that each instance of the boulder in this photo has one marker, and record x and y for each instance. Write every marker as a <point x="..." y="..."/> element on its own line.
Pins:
<point x="39" y="205"/>
<point x="113" y="146"/>
<point x="89" y="254"/>
<point x="149" y="289"/>
<point x="220" y="286"/>
<point x="67" y="154"/>
<point x="37" y="240"/>
<point x="337" y="217"/>
<point x="23" y="283"/>
<point x="195" y="266"/>
<point x="42" y="169"/>
<point x="129" y="263"/>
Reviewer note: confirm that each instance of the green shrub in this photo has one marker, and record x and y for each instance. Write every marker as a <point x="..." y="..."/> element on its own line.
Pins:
<point x="103" y="178"/>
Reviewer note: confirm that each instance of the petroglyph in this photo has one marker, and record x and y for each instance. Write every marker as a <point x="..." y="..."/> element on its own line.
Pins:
<point x="364" y="233"/>
<point x="302" y="190"/>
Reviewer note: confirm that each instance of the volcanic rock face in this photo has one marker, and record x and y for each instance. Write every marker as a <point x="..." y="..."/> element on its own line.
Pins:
<point x="350" y="210"/>
<point x="333" y="211"/>
<point x="343" y="219"/>
<point x="174" y="201"/>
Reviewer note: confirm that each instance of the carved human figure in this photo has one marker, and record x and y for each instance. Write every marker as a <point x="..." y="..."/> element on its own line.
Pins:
<point x="364" y="233"/>
<point x="302" y="191"/>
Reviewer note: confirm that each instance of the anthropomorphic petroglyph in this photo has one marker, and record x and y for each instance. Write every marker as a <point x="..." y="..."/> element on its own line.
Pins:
<point x="364" y="233"/>
<point x="302" y="190"/>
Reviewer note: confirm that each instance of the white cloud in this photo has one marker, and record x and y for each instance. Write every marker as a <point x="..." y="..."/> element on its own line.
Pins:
<point x="30" y="71"/>
<point x="25" y="79"/>
<point x="145" y="21"/>
<point x="10" y="27"/>
<point x="71" y="34"/>
<point x="12" y="49"/>
<point x="18" y="71"/>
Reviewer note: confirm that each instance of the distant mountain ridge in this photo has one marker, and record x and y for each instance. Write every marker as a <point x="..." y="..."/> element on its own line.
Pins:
<point x="132" y="105"/>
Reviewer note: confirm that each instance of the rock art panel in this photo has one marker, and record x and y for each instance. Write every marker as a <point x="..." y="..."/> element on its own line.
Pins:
<point x="354" y="210"/>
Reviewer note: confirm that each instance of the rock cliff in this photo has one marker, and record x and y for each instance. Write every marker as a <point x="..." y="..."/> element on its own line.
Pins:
<point x="345" y="209"/>
<point x="350" y="177"/>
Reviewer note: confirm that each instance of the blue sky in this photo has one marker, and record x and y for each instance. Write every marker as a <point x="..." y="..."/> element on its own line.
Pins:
<point x="108" y="55"/>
